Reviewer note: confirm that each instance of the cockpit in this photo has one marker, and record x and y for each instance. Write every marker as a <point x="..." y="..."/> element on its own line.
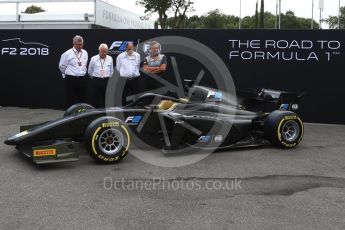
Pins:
<point x="156" y="102"/>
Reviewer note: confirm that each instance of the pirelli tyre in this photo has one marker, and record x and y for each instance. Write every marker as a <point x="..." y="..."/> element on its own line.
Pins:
<point x="284" y="129"/>
<point x="77" y="108"/>
<point x="107" y="140"/>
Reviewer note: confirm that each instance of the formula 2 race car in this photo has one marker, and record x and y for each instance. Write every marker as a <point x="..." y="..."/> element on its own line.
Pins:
<point x="255" y="118"/>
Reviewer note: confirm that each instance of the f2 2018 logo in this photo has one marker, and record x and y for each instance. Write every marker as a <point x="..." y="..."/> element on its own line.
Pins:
<point x="17" y="47"/>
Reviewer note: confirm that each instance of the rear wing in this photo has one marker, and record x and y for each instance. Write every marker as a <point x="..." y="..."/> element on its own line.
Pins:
<point x="267" y="100"/>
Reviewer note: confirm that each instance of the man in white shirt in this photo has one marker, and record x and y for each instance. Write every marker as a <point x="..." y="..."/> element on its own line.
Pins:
<point x="128" y="65"/>
<point x="72" y="65"/>
<point x="100" y="70"/>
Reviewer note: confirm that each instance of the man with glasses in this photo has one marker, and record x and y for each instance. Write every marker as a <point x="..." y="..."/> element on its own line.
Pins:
<point x="100" y="70"/>
<point x="128" y="65"/>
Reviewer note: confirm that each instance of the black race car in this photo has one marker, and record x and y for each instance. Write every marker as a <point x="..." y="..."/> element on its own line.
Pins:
<point x="206" y="119"/>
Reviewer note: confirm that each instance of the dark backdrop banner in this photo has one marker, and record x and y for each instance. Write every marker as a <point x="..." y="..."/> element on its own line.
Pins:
<point x="310" y="61"/>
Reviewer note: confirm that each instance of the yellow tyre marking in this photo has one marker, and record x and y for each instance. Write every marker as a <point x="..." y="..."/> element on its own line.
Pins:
<point x="278" y="131"/>
<point x="93" y="140"/>
<point x="129" y="139"/>
<point x="301" y="125"/>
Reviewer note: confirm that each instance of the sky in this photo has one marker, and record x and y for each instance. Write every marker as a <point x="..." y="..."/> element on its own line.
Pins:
<point x="302" y="8"/>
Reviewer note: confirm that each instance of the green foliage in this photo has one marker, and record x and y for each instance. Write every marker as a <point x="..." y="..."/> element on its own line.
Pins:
<point x="178" y="8"/>
<point x="33" y="9"/>
<point x="332" y="21"/>
<point x="290" y="21"/>
<point x="215" y="19"/>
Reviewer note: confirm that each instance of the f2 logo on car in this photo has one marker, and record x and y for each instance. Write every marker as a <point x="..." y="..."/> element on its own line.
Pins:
<point x="204" y="139"/>
<point x="133" y="119"/>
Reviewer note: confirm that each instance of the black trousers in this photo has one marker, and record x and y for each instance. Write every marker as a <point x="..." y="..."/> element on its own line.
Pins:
<point x="76" y="90"/>
<point x="134" y="87"/>
<point x="99" y="88"/>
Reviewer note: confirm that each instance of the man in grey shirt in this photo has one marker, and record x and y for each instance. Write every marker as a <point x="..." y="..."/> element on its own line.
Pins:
<point x="156" y="62"/>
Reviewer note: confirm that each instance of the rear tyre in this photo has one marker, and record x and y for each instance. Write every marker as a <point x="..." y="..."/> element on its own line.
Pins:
<point x="77" y="109"/>
<point x="284" y="129"/>
<point x="107" y="140"/>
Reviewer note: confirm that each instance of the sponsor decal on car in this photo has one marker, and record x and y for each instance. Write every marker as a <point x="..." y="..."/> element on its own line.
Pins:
<point x="44" y="152"/>
<point x="133" y="119"/>
<point x="218" y="138"/>
<point x="204" y="139"/>
<point x="81" y="110"/>
<point x="295" y="107"/>
<point x="284" y="106"/>
<point x="214" y="96"/>
<point x="290" y="117"/>
<point x="110" y="124"/>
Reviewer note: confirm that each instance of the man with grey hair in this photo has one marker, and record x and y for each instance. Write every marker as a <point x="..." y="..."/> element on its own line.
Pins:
<point x="128" y="65"/>
<point x="101" y="68"/>
<point x="155" y="63"/>
<point x="72" y="65"/>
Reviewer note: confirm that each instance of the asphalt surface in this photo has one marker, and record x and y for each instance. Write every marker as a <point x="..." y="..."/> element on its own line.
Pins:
<point x="258" y="188"/>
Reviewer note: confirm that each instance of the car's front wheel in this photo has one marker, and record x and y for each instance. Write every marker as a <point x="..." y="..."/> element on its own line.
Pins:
<point x="284" y="129"/>
<point x="107" y="139"/>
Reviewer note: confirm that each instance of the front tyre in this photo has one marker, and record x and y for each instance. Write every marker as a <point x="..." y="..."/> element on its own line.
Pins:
<point x="284" y="129"/>
<point x="107" y="140"/>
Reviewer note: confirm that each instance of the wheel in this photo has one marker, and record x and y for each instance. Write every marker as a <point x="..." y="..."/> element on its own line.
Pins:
<point x="77" y="108"/>
<point x="284" y="129"/>
<point x="107" y="139"/>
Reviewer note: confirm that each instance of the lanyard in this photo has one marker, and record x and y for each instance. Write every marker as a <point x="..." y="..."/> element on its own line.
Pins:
<point x="78" y="57"/>
<point x="102" y="63"/>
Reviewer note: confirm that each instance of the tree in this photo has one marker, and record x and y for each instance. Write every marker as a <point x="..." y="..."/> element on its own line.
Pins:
<point x="262" y="15"/>
<point x="257" y="14"/>
<point x="332" y="21"/>
<point x="33" y="9"/>
<point x="178" y="8"/>
<point x="214" y="19"/>
<point x="290" y="21"/>
<point x="160" y="7"/>
<point x="194" y="22"/>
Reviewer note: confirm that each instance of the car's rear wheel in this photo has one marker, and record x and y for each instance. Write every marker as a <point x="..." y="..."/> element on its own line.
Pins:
<point x="284" y="129"/>
<point x="107" y="139"/>
<point x="77" y="109"/>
